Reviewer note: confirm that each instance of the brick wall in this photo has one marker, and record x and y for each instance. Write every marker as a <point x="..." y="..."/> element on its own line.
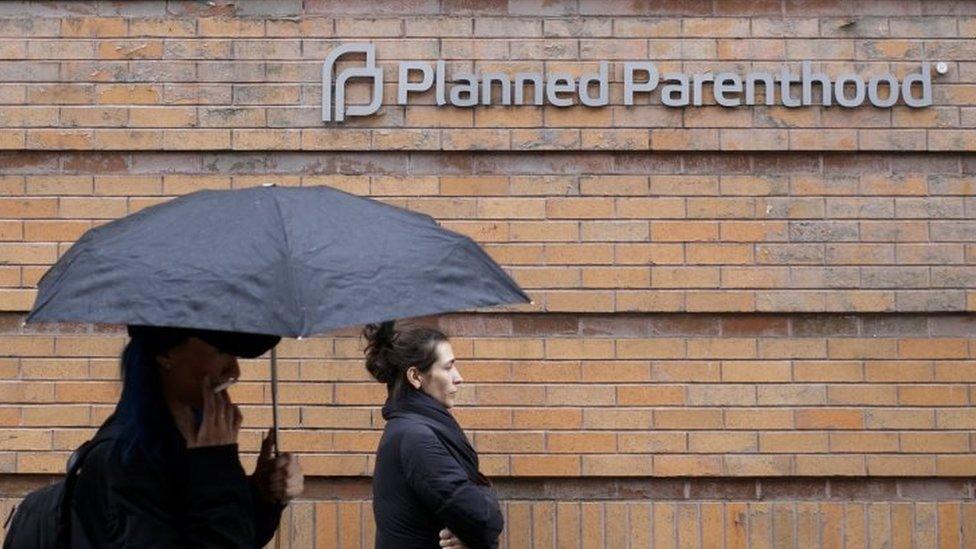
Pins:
<point x="763" y="312"/>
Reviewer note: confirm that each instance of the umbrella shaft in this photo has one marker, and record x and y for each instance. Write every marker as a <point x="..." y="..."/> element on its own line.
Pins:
<point x="274" y="397"/>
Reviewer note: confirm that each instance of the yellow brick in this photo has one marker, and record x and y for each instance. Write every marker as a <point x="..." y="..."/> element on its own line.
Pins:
<point x="162" y="117"/>
<point x="182" y="140"/>
<point x="684" y="139"/>
<point x="232" y="27"/>
<point x="400" y="186"/>
<point x="128" y="94"/>
<point x="93" y="27"/>
<point x="474" y="186"/>
<point x="403" y="139"/>
<point x="168" y="28"/>
<point x="477" y="139"/>
<point x="42" y="462"/>
<point x="684" y="465"/>
<point x="60" y="139"/>
<point x="265" y="139"/>
<point x="335" y="139"/>
<point x="60" y="415"/>
<point x="128" y="139"/>
<point x="130" y="49"/>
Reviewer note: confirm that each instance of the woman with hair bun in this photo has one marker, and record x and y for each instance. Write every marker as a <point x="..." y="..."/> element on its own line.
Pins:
<point x="427" y="490"/>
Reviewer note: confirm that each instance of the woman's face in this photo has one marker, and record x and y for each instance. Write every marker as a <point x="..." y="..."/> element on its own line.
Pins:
<point x="184" y="367"/>
<point x="442" y="380"/>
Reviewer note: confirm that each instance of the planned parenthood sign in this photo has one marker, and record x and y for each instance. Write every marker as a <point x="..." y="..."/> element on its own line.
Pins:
<point x="641" y="80"/>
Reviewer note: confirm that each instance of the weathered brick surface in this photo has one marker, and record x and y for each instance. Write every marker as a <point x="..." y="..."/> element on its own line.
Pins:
<point x="63" y="68"/>
<point x="601" y="232"/>
<point x="619" y="395"/>
<point x="720" y="295"/>
<point x="347" y="522"/>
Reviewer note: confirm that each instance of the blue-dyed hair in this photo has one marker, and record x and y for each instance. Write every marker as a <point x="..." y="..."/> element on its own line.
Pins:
<point x="142" y="416"/>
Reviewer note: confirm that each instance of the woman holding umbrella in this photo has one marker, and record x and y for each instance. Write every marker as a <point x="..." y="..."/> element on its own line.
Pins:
<point x="164" y="470"/>
<point x="427" y="490"/>
<point x="292" y="262"/>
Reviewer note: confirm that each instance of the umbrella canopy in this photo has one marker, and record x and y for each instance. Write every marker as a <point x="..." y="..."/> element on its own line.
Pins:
<point x="269" y="260"/>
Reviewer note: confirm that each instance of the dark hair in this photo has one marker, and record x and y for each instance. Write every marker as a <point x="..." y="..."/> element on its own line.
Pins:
<point x="392" y="349"/>
<point x="142" y="414"/>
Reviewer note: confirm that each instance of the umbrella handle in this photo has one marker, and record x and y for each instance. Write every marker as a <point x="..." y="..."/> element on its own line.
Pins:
<point x="274" y="420"/>
<point x="274" y="398"/>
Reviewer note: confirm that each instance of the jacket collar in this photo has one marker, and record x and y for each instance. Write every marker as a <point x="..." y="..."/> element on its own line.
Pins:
<point x="416" y="405"/>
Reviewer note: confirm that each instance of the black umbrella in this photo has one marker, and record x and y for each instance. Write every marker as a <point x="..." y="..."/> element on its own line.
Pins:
<point x="271" y="260"/>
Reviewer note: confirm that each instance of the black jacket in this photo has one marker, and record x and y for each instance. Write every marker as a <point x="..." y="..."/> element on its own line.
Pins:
<point x="427" y="479"/>
<point x="198" y="497"/>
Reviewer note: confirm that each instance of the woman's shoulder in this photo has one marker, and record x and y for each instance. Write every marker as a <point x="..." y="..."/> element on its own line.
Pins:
<point x="412" y="437"/>
<point x="408" y="425"/>
<point x="406" y="434"/>
<point x="111" y="463"/>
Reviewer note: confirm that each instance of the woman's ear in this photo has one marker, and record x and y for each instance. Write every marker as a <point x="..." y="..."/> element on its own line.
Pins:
<point x="414" y="377"/>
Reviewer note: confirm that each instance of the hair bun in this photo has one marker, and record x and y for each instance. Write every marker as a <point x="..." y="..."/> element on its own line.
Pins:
<point x="391" y="350"/>
<point x="379" y="340"/>
<point x="381" y="334"/>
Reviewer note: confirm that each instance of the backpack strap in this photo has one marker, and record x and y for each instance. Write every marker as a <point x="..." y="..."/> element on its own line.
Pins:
<point x="10" y="517"/>
<point x="74" y="465"/>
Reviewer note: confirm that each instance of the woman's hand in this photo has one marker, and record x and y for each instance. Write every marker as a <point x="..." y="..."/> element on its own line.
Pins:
<point x="220" y="424"/>
<point x="448" y="539"/>
<point x="277" y="479"/>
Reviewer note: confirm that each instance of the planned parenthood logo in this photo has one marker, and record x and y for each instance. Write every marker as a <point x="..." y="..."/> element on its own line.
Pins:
<point x="641" y="80"/>
<point x="338" y="103"/>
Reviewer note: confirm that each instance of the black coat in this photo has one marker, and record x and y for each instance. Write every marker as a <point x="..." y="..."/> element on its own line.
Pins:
<point x="427" y="479"/>
<point x="198" y="497"/>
